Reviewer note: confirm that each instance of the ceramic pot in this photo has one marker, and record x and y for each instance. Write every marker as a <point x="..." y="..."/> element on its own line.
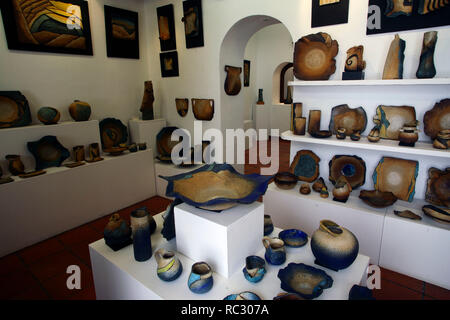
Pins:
<point x="78" y="153"/>
<point x="201" y="278"/>
<point x="374" y="135"/>
<point x="355" y="136"/>
<point x="442" y="140"/>
<point x="342" y="189"/>
<point x="15" y="164"/>
<point x="133" y="147"/>
<point x="408" y="136"/>
<point x="260" y="97"/>
<point x="94" y="152"/>
<point x="340" y="133"/>
<point x="324" y="193"/>
<point x="48" y="115"/>
<point x="117" y="233"/>
<point x="318" y="185"/>
<point x="142" y="146"/>
<point x="80" y="111"/>
<point x="334" y="246"/>
<point x="268" y="225"/>
<point x="275" y="250"/>
<point x="305" y="189"/>
<point x="254" y="269"/>
<point x="142" y="244"/>
<point x="169" y="266"/>
<point x="300" y="126"/>
<point x="285" y="180"/>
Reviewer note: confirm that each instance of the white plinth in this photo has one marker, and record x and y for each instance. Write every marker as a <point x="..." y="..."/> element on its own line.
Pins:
<point x="146" y="131"/>
<point x="224" y="239"/>
<point x="117" y="276"/>
<point x="167" y="170"/>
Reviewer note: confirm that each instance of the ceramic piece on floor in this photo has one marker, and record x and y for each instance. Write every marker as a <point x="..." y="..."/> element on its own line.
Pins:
<point x="437" y="119"/>
<point x="408" y="214"/>
<point x="293" y="238"/>
<point x="247" y="295"/>
<point x="426" y="67"/>
<point x="169" y="266"/>
<point x="254" y="269"/>
<point x="80" y="111"/>
<point x="305" y="166"/>
<point x="360" y="293"/>
<point x="117" y="233"/>
<point x="15" y="164"/>
<point x="285" y="180"/>
<point x="377" y="199"/>
<point x="142" y="244"/>
<point x="342" y="189"/>
<point x="305" y="189"/>
<point x="438" y="187"/>
<point x="393" y="67"/>
<point x="48" y="115"/>
<point x="441" y="215"/>
<point x="275" y="250"/>
<point x="268" y="225"/>
<point x="201" y="278"/>
<point x="48" y="152"/>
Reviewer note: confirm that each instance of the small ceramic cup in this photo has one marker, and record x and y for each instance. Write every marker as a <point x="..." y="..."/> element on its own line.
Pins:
<point x="201" y="278"/>
<point x="305" y="189"/>
<point x="254" y="269"/>
<point x="355" y="136"/>
<point x="275" y="250"/>
<point x="300" y="126"/>
<point x="268" y="225"/>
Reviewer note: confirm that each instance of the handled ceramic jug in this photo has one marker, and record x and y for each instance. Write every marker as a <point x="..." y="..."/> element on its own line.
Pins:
<point x="169" y="266"/>
<point x="275" y="250"/>
<point x="201" y="278"/>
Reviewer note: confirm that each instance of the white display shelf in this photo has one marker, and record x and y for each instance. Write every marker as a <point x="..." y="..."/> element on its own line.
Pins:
<point x="375" y="82"/>
<point x="118" y="276"/>
<point x="420" y="148"/>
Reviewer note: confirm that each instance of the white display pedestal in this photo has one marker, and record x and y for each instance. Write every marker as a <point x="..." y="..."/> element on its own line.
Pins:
<point x="118" y="276"/>
<point x="146" y="131"/>
<point x="167" y="170"/>
<point x="222" y="239"/>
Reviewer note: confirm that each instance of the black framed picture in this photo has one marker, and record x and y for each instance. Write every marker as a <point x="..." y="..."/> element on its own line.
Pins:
<point x="122" y="33"/>
<point x="193" y="23"/>
<point x="169" y="64"/>
<point x="246" y="73"/>
<point x="401" y="15"/>
<point x="166" y="26"/>
<point x="54" y="26"/>
<point x="329" y="12"/>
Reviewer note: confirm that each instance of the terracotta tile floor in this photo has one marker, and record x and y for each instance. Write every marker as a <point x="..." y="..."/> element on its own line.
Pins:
<point x="39" y="272"/>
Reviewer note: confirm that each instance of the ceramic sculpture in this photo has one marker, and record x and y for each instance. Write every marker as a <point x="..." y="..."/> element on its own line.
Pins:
<point x="15" y="164"/>
<point x="294" y="238"/>
<point x="429" y="6"/>
<point x="285" y="180"/>
<point x="201" y="278"/>
<point x="360" y="293"/>
<point x="260" y="97"/>
<point x="182" y="106"/>
<point x="112" y="132"/>
<point x="275" y="250"/>
<point x="442" y="140"/>
<point x="393" y="67"/>
<point x="440" y="215"/>
<point x="147" y="101"/>
<point x="390" y="119"/>
<point x="168" y="230"/>
<point x="377" y="199"/>
<point x="340" y="133"/>
<point x="78" y="153"/>
<point x="438" y="187"/>
<point x="94" y="152"/>
<point x="408" y="135"/>
<point x="334" y="246"/>
<point x="305" y="189"/>
<point x="6" y="179"/>
<point x="48" y="152"/>
<point x="342" y="189"/>
<point x="305" y="166"/>
<point x="142" y="244"/>
<point x="203" y="109"/>
<point x="246" y="295"/>
<point x="437" y="119"/>
<point x="14" y="110"/>
<point x="268" y="225"/>
<point x="374" y="135"/>
<point x="353" y="168"/>
<point x="426" y="66"/>
<point x="254" y="269"/>
<point x="354" y="64"/>
<point x="352" y="120"/>
<point x="408" y="214"/>
<point x="48" y="115"/>
<point x="318" y="185"/>
<point x="298" y="123"/>
<point x="169" y="266"/>
<point x="395" y="8"/>
<point x="117" y="233"/>
<point x="314" y="125"/>
<point x="233" y="80"/>
<point x="80" y="111"/>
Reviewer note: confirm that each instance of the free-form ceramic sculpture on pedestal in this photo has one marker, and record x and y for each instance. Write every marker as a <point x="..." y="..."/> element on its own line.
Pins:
<point x="169" y="266"/>
<point x="426" y="66"/>
<point x="354" y="64"/>
<point x="260" y="97"/>
<point x="48" y="152"/>
<point x="80" y="111"/>
<point x="393" y="67"/>
<point x="117" y="233"/>
<point x="147" y="101"/>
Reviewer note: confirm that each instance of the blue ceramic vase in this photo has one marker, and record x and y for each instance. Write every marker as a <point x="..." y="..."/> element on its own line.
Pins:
<point x="201" y="278"/>
<point x="169" y="266"/>
<point x="275" y="250"/>
<point x="333" y="246"/>
<point x="142" y="244"/>
<point x="268" y="225"/>
<point x="254" y="269"/>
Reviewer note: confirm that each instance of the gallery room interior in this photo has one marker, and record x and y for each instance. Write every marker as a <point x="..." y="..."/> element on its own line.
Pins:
<point x="225" y="150"/>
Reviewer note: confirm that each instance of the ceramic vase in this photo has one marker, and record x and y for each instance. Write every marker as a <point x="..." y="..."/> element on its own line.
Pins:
<point x="201" y="278"/>
<point x="408" y="136"/>
<point x="142" y="244"/>
<point x="117" y="233"/>
<point x="275" y="250"/>
<point x="268" y="225"/>
<point x="260" y="97"/>
<point x="78" y="153"/>
<point x="426" y="67"/>
<point x="254" y="269"/>
<point x="169" y="266"/>
<point x="94" y="152"/>
<point x="80" y="111"/>
<point x="334" y="246"/>
<point x="341" y="190"/>
<point x="15" y="164"/>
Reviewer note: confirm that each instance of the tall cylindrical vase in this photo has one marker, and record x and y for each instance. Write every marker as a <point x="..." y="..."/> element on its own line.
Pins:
<point x="142" y="244"/>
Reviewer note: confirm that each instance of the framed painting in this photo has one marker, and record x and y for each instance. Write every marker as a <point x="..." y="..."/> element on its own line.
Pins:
<point x="401" y="15"/>
<point x="166" y="26"/>
<point x="329" y="12"/>
<point x="169" y="64"/>
<point x="122" y="33"/>
<point x="246" y="73"/>
<point x="50" y="26"/>
<point x="193" y="23"/>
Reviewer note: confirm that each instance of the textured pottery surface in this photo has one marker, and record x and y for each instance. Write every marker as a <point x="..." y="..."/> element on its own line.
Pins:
<point x="182" y="106"/>
<point x="275" y="250"/>
<point x="305" y="189"/>
<point x="112" y="132"/>
<point x="117" y="233"/>
<point x="247" y="295"/>
<point x="80" y="111"/>
<point x="285" y="180"/>
<point x="342" y="189"/>
<point x="48" y="152"/>
<point x="390" y="119"/>
<point x="140" y="225"/>
<point x="268" y="225"/>
<point x="353" y="168"/>
<point x="408" y="214"/>
<point x="305" y="166"/>
<point x="352" y="120"/>
<point x="426" y="66"/>
<point x="437" y="119"/>
<point x="216" y="187"/>
<point x="334" y="246"/>
<point x="15" y="164"/>
<point x="393" y="67"/>
<point x="438" y="214"/>
<point x="360" y="293"/>
<point x="48" y="115"/>
<point x="374" y="135"/>
<point x="397" y="176"/>
<point x="14" y="110"/>
<point x="147" y="101"/>
<point x="233" y="80"/>
<point x="203" y="109"/>
<point x="377" y="199"/>
<point x="438" y="187"/>
<point x="254" y="269"/>
<point x="201" y="278"/>
<point x="293" y="238"/>
<point x="169" y="266"/>
<point x="314" y="57"/>
<point x="305" y="280"/>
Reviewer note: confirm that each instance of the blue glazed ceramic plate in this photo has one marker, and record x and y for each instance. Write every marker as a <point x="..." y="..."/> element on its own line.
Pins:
<point x="216" y="187"/>
<point x="304" y="280"/>
<point x="293" y="237"/>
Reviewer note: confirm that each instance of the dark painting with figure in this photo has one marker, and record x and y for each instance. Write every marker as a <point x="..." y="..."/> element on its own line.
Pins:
<point x="169" y="64"/>
<point x="122" y="33"/>
<point x="193" y="23"/>
<point x="50" y="26"/>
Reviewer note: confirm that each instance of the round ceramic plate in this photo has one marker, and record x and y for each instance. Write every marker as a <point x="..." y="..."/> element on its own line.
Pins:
<point x="112" y="132"/>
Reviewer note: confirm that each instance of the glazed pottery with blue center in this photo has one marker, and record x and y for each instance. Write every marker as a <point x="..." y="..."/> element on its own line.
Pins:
<point x="268" y="225"/>
<point x="142" y="244"/>
<point x="293" y="237"/>
<point x="254" y="269"/>
<point x="201" y="278"/>
<point x="275" y="250"/>
<point x="334" y="246"/>
<point x="169" y="266"/>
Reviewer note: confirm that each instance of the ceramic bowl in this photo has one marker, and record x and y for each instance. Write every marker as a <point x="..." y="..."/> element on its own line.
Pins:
<point x="247" y="295"/>
<point x="377" y="199"/>
<point x="293" y="237"/>
<point x="285" y="180"/>
<point x="438" y="214"/>
<point x="48" y="115"/>
<point x="201" y="278"/>
<point x="254" y="269"/>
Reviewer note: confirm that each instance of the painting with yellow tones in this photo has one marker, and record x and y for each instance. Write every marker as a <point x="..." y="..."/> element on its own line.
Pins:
<point x="169" y="64"/>
<point x="49" y="26"/>
<point x="166" y="27"/>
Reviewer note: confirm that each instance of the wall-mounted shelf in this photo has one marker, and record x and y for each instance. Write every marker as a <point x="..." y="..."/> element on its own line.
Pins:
<point x="399" y="82"/>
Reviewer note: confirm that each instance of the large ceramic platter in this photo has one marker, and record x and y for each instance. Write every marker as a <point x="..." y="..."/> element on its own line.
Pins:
<point x="314" y="57"/>
<point x="438" y="187"/>
<point x="352" y="120"/>
<point x="391" y="119"/>
<point x="112" y="132"/>
<point x="216" y="187"/>
<point x="203" y="109"/>
<point x="48" y="152"/>
<point x="437" y="119"/>
<point x="14" y="110"/>
<point x="353" y="168"/>
<point x="397" y="176"/>
<point x="305" y="166"/>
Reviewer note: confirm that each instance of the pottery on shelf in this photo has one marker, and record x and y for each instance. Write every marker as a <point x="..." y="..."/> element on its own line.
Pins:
<point x="48" y="152"/>
<point x="169" y="266"/>
<point x="142" y="244"/>
<point x="441" y="215"/>
<point x="246" y="295"/>
<point x="355" y="136"/>
<point x="390" y="119"/>
<point x="340" y="133"/>
<point x="442" y="140"/>
<point x="360" y="293"/>
<point x="426" y="67"/>
<point x="275" y="250"/>
<point x="324" y="193"/>
<point x="299" y="126"/>
<point x="147" y="101"/>
<point x="80" y="110"/>
<point x="78" y="153"/>
<point x="14" y="110"/>
<point x="437" y="119"/>
<point x="344" y="117"/>
<point x="285" y="180"/>
<point x="438" y="187"/>
<point x="377" y="199"/>
<point x="142" y="146"/>
<point x="151" y="220"/>
<point x="31" y="174"/>
<point x="408" y="135"/>
<point x="201" y="278"/>
<point x="94" y="152"/>
<point x="115" y="151"/>
<point x="374" y="135"/>
<point x="268" y="225"/>
<point x="393" y="67"/>
<point x="408" y="214"/>
<point x="117" y="233"/>
<point x="342" y="189"/>
<point x="353" y="168"/>
<point x="112" y="132"/>
<point x="133" y="147"/>
<point x="305" y="166"/>
<point x="288" y="296"/>
<point x="293" y="238"/>
<point x="334" y="246"/>
<point x="318" y="185"/>
<point x="354" y="64"/>
<point x="305" y="280"/>
<point x="314" y="125"/>
<point x="305" y="189"/>
<point x="182" y="106"/>
<point x="203" y="109"/>
<point x="254" y="269"/>
<point x="216" y="187"/>
<point x="232" y="84"/>
<point x="48" y="115"/>
<point x="260" y="97"/>
<point x="15" y="164"/>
